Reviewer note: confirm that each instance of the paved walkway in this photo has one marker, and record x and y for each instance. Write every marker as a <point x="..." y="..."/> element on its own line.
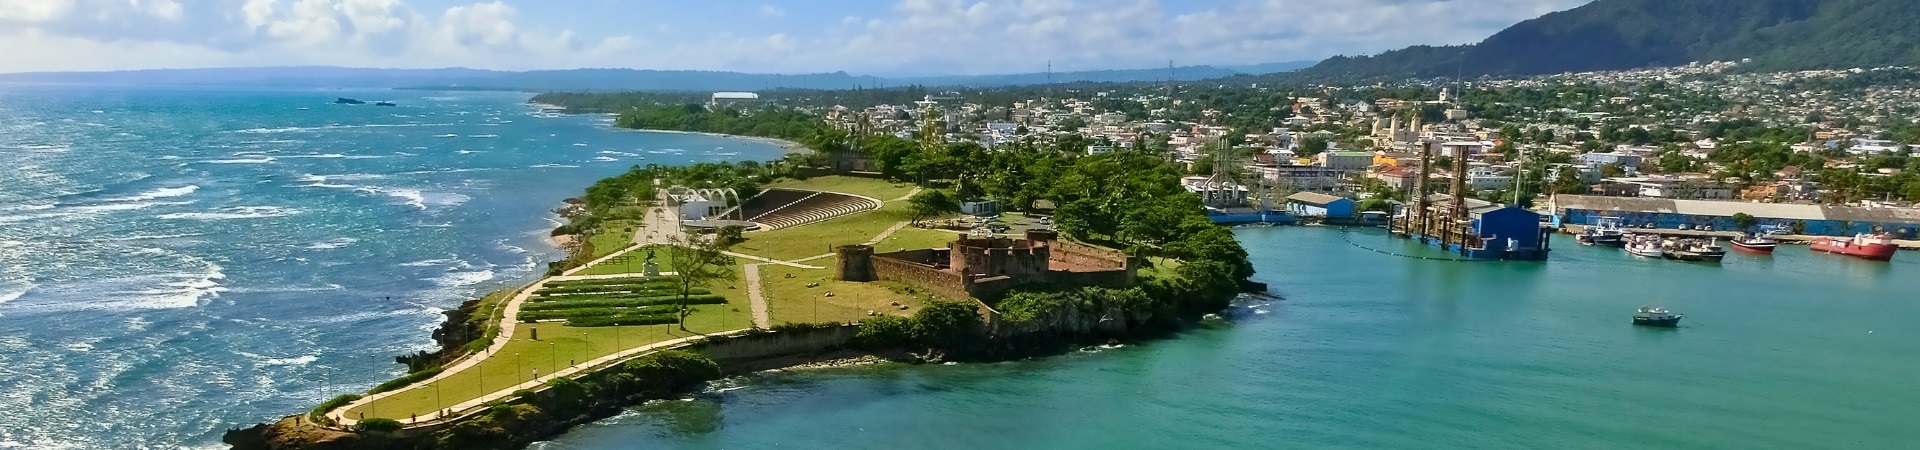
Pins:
<point x="656" y="227"/>
<point x="886" y="234"/>
<point x="772" y="261"/>
<point x="660" y="228"/>
<point x="761" y="319"/>
<point x="909" y="196"/>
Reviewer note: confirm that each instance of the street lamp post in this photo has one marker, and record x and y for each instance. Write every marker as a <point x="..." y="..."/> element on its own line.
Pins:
<point x="516" y="362"/>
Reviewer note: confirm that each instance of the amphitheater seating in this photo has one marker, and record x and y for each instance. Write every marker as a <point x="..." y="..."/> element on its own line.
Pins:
<point x="783" y="208"/>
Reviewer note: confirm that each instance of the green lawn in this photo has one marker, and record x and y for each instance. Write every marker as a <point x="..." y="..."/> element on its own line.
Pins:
<point x="635" y="262"/>
<point x="614" y="236"/>
<point x="789" y="300"/>
<point x="911" y="238"/>
<point x="882" y="190"/>
<point x="559" y="346"/>
<point x="820" y="238"/>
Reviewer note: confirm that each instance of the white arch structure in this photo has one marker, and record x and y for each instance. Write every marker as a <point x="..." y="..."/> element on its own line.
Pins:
<point x="706" y="203"/>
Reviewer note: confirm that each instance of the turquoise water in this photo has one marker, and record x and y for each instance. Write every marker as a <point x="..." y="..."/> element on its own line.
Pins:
<point x="1373" y="351"/>
<point x="176" y="262"/>
<point x="183" y="261"/>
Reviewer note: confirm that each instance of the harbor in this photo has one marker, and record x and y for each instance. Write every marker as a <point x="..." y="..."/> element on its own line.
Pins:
<point x="1794" y="351"/>
<point x="1785" y="239"/>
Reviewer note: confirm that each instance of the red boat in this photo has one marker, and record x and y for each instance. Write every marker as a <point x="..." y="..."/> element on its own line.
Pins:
<point x="1755" y="244"/>
<point x="1877" y="247"/>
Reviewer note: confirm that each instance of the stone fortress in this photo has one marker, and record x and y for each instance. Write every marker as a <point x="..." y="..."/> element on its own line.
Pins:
<point x="983" y="268"/>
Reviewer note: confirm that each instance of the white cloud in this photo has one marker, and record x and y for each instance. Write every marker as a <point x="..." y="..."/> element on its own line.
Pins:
<point x="922" y="36"/>
<point x="33" y="11"/>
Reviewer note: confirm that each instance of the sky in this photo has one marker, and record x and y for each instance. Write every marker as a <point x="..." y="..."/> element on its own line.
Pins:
<point x="869" y="37"/>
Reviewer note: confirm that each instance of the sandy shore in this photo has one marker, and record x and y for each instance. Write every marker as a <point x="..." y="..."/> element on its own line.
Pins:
<point x="788" y="146"/>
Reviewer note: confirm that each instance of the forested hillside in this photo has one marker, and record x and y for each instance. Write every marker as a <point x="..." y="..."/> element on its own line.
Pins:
<point x="1628" y="34"/>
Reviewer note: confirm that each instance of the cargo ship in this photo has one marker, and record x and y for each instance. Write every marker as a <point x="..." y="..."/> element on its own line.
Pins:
<point x="1876" y="247"/>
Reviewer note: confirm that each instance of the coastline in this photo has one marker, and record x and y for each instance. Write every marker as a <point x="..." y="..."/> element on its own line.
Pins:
<point x="789" y="147"/>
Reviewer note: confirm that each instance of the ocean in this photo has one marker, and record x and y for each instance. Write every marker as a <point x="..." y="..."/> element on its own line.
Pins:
<point x="175" y="262"/>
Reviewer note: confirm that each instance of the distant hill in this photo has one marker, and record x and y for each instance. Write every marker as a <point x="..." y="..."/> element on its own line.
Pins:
<point x="599" y="79"/>
<point x="1629" y="34"/>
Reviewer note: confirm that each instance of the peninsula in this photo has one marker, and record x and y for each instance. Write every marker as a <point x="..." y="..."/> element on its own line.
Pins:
<point x="679" y="275"/>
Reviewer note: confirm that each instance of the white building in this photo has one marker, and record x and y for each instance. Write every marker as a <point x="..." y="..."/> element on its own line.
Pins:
<point x="1457" y="149"/>
<point x="729" y="98"/>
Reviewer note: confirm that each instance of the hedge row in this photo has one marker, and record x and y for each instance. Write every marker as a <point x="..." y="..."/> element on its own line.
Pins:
<point x="401" y="382"/>
<point x="625" y="320"/>
<point x="627" y="280"/>
<point x="536" y="316"/>
<point x="567" y="285"/>
<point x="622" y="302"/>
<point x="631" y="292"/>
<point x="611" y="296"/>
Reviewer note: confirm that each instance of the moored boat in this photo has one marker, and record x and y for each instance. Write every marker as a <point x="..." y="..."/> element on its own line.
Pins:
<point x="1694" y="250"/>
<point x="1754" y="243"/>
<point x="1876" y="247"/>
<point x="1656" y="317"/>
<point x="1646" y="245"/>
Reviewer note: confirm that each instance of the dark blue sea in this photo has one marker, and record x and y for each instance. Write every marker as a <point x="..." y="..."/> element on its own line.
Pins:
<point x="178" y="261"/>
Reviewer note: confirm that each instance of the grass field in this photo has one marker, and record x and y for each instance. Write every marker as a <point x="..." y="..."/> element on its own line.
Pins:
<point x="911" y="238"/>
<point x="635" y="262"/>
<point x="559" y="347"/>
<point x="613" y="236"/>
<point x="820" y="238"/>
<point x="789" y="300"/>
<point x="882" y="190"/>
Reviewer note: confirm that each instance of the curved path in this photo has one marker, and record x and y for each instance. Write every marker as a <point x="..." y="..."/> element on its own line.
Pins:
<point x="659" y="227"/>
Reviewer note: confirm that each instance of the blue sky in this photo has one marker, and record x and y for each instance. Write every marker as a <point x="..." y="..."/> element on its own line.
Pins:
<point x="884" y="37"/>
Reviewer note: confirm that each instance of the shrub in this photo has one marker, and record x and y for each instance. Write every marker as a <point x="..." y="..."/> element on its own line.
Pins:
<point x="404" y="381"/>
<point x="947" y="323"/>
<point x="319" y="413"/>
<point x="800" y="327"/>
<point x="672" y="369"/>
<point x="377" y="424"/>
<point x="884" y="332"/>
<point x="335" y="403"/>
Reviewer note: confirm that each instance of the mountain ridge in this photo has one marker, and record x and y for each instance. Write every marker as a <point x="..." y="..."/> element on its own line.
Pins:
<point x="1630" y="34"/>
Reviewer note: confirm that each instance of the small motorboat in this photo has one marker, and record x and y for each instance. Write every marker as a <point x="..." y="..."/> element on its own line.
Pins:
<point x="1755" y="243"/>
<point x="1656" y="317"/>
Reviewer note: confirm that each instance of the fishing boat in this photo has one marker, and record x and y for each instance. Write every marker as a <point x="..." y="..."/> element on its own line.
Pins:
<point x="1693" y="250"/>
<point x="1755" y="243"/>
<point x="1656" y="317"/>
<point x="1605" y="233"/>
<point x="1876" y="247"/>
<point x="1646" y="245"/>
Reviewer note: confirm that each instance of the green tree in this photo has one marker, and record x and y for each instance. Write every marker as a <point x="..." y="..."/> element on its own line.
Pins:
<point x="697" y="262"/>
<point x="932" y="203"/>
<point x="948" y="324"/>
<point x="1744" y="221"/>
<point x="730" y="235"/>
<point x="1612" y="170"/>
